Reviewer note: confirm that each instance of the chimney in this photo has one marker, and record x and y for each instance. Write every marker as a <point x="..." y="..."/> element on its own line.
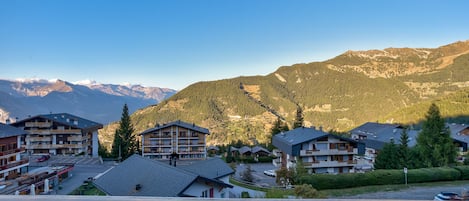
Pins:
<point x="7" y="121"/>
<point x="68" y="120"/>
<point x="138" y="187"/>
<point x="320" y="128"/>
<point x="75" y="122"/>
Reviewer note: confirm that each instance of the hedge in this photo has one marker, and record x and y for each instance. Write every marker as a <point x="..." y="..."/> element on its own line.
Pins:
<point x="384" y="177"/>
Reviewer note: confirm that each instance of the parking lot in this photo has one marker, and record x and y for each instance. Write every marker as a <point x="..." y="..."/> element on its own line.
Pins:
<point x="257" y="171"/>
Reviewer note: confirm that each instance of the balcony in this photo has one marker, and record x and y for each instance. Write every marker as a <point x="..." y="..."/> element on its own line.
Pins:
<point x="14" y="164"/>
<point x="77" y="138"/>
<point x="55" y="146"/>
<point x="327" y="152"/>
<point x="38" y="124"/>
<point x="39" y="139"/>
<point x="55" y="131"/>
<point x="324" y="164"/>
<point x="12" y="151"/>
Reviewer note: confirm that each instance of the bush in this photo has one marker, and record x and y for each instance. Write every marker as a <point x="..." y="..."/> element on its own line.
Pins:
<point x="464" y="170"/>
<point x="265" y="159"/>
<point x="306" y="191"/>
<point x="245" y="194"/>
<point x="382" y="177"/>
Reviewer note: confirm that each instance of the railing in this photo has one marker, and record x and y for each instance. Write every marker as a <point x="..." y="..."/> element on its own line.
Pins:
<point x="55" y="146"/>
<point x="39" y="139"/>
<point x="38" y="124"/>
<point x="328" y="152"/>
<point x="12" y="151"/>
<point x="76" y="138"/>
<point x="319" y="164"/>
<point x="14" y="164"/>
<point x="55" y="131"/>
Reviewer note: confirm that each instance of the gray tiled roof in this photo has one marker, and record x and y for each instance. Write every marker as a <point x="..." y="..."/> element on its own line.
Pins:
<point x="10" y="131"/>
<point x="66" y="119"/>
<point x="383" y="133"/>
<point x="244" y="150"/>
<point x="213" y="168"/>
<point x="180" y="124"/>
<point x="299" y="135"/>
<point x="259" y="148"/>
<point x="455" y="130"/>
<point x="157" y="178"/>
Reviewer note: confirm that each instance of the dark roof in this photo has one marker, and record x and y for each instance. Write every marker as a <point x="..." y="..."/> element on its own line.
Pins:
<point x="66" y="119"/>
<point x="180" y="124"/>
<point x="455" y="130"/>
<point x="244" y="150"/>
<point x="289" y="141"/>
<point x="383" y="133"/>
<point x="258" y="149"/>
<point x="213" y="168"/>
<point x="155" y="178"/>
<point x="374" y="144"/>
<point x="10" y="131"/>
<point x="213" y="148"/>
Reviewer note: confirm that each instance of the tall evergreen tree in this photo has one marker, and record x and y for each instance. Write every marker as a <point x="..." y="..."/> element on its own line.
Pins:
<point x="299" y="119"/>
<point x="388" y="157"/>
<point x="124" y="144"/>
<point x="404" y="152"/>
<point x="434" y="142"/>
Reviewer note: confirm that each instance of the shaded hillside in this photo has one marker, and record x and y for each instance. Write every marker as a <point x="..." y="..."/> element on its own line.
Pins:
<point x="339" y="94"/>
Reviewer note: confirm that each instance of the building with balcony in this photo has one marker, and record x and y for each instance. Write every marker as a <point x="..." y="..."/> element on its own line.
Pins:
<point x="11" y="162"/>
<point x="60" y="133"/>
<point x="184" y="139"/>
<point x="319" y="152"/>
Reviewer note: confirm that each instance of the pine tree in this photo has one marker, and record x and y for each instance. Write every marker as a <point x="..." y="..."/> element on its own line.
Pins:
<point x="299" y="119"/>
<point x="124" y="144"/>
<point x="434" y="142"/>
<point x="388" y="157"/>
<point x="404" y="153"/>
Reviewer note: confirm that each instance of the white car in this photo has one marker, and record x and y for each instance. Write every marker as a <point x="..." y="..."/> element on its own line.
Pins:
<point x="270" y="173"/>
<point x="447" y="196"/>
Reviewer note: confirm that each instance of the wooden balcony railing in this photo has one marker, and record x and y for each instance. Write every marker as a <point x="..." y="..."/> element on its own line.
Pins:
<point x="14" y="164"/>
<point x="12" y="151"/>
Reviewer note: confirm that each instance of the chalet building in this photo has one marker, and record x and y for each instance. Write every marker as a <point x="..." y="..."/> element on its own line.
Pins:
<point x="11" y="162"/>
<point x="376" y="135"/>
<point x="141" y="176"/>
<point x="185" y="140"/>
<point x="60" y="133"/>
<point x="319" y="152"/>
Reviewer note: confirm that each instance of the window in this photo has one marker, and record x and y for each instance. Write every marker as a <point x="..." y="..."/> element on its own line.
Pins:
<point x="204" y="194"/>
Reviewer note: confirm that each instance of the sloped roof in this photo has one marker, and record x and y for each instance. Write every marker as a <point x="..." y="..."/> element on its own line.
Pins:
<point x="213" y="168"/>
<point x="258" y="149"/>
<point x="298" y="136"/>
<point x="383" y="133"/>
<point x="10" y="131"/>
<point x="456" y="129"/>
<point x="66" y="119"/>
<point x="244" y="149"/>
<point x="154" y="177"/>
<point x="180" y="124"/>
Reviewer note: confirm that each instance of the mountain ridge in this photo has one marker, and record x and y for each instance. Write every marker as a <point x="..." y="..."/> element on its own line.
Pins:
<point x="336" y="94"/>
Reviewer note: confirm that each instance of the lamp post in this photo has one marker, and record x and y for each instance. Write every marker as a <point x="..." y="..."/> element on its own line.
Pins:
<point x="405" y="175"/>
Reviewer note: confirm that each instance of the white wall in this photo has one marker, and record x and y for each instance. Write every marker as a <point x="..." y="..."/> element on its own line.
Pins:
<point x="197" y="188"/>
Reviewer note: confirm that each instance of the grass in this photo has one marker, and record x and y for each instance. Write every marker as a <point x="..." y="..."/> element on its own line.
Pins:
<point x="248" y="186"/>
<point x="87" y="189"/>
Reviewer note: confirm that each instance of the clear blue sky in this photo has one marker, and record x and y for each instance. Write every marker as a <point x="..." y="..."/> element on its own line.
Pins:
<point x="174" y="43"/>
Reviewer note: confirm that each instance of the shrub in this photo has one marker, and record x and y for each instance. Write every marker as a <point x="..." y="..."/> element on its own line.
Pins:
<point x="245" y="194"/>
<point x="464" y="170"/>
<point x="306" y="191"/>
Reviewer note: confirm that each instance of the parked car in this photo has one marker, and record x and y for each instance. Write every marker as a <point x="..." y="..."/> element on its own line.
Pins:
<point x="43" y="158"/>
<point x="447" y="196"/>
<point x="270" y="173"/>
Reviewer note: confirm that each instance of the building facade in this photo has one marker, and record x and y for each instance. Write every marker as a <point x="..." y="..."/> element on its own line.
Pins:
<point x="319" y="152"/>
<point x="11" y="160"/>
<point x="60" y="133"/>
<point x="186" y="140"/>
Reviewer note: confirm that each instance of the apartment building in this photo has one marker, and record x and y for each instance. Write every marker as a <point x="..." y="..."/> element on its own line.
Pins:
<point x="319" y="152"/>
<point x="11" y="161"/>
<point x="186" y="140"/>
<point x="60" y="133"/>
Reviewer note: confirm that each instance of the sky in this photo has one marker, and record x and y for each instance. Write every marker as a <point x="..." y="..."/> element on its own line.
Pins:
<point x="180" y="42"/>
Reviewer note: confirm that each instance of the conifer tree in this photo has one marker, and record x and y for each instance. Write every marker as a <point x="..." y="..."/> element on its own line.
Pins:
<point x="124" y="144"/>
<point x="404" y="152"/>
<point x="434" y="143"/>
<point x="388" y="157"/>
<point x="299" y="119"/>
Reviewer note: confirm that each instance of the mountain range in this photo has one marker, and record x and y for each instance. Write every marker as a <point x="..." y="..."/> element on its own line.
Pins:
<point x="98" y="102"/>
<point x="393" y="85"/>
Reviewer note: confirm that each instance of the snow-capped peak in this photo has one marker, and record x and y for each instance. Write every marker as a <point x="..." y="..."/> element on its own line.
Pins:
<point x="86" y="82"/>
